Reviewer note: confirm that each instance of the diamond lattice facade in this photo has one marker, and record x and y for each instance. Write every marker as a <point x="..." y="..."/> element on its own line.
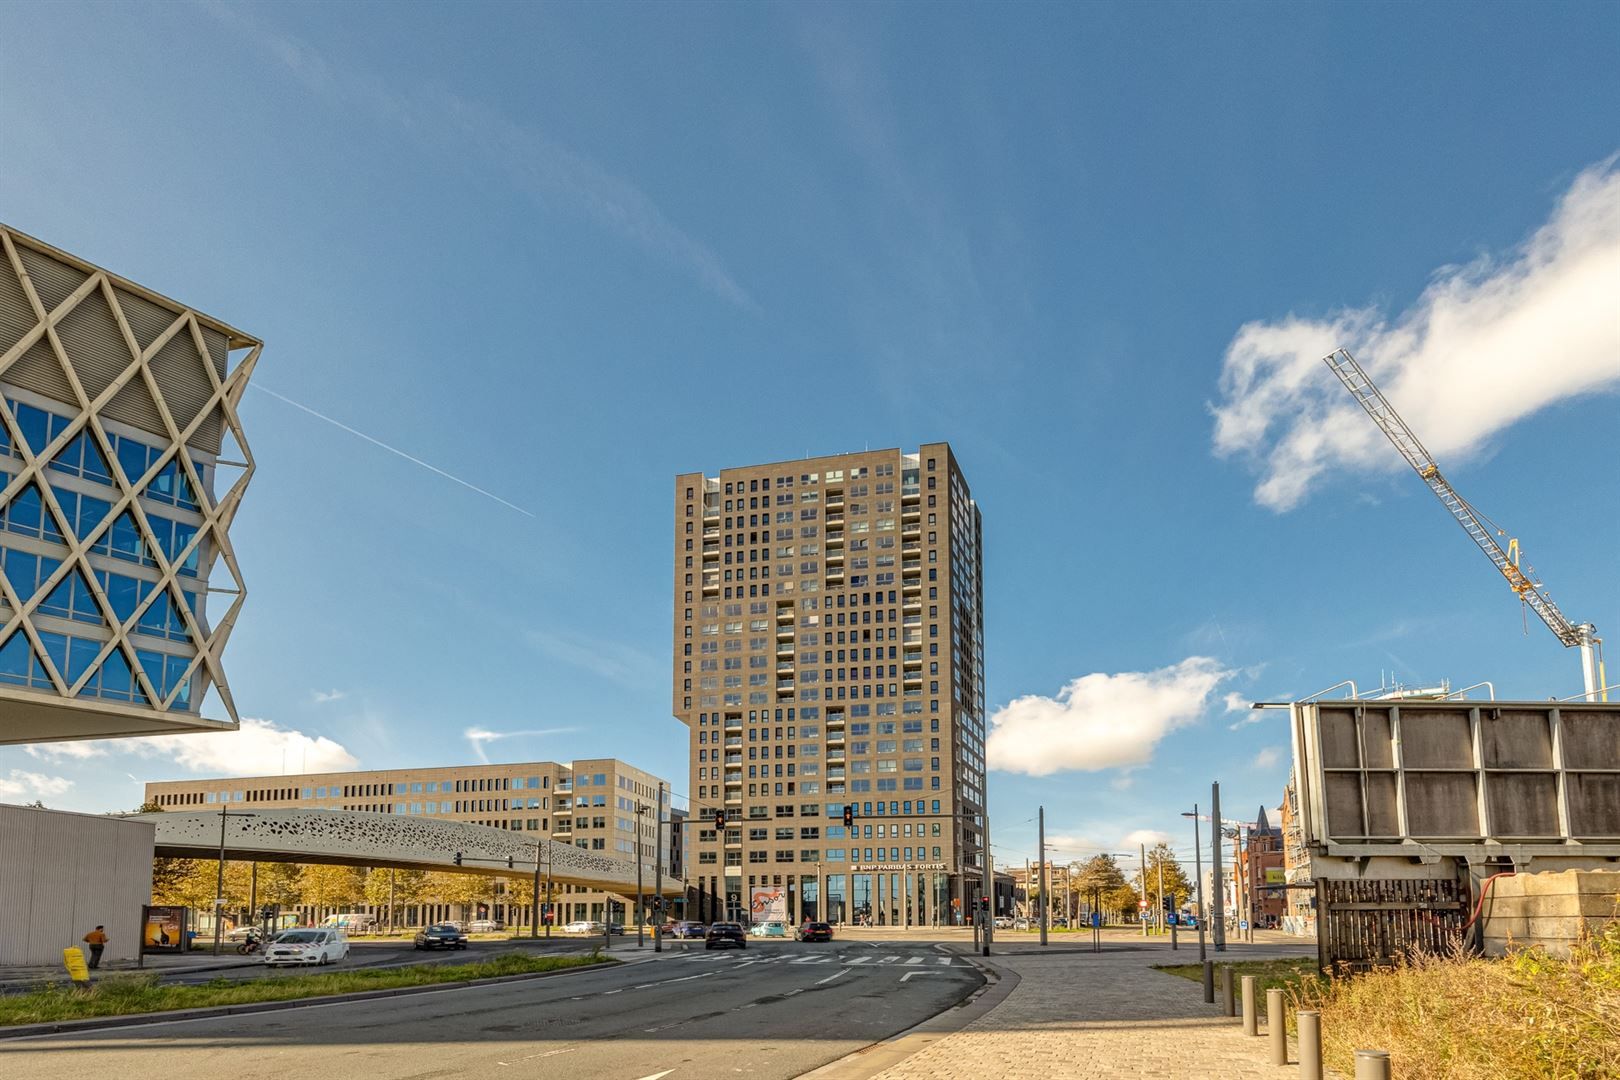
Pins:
<point x="122" y="465"/>
<point x="829" y="652"/>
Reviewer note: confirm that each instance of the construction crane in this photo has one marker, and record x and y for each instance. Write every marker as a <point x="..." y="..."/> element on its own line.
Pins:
<point x="1581" y="636"/>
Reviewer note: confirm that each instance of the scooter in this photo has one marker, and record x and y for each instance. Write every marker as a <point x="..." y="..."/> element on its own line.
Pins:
<point x="251" y="944"/>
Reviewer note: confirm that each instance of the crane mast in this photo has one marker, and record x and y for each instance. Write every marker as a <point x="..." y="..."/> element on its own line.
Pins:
<point x="1573" y="635"/>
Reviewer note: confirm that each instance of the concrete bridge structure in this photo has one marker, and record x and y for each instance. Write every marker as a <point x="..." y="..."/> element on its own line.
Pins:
<point x="353" y="838"/>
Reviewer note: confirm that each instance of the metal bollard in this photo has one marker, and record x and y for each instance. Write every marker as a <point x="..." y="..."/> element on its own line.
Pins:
<point x="1277" y="1026"/>
<point x="1251" y="1016"/>
<point x="1226" y="990"/>
<point x="1310" y="1044"/>
<point x="1209" y="981"/>
<point x="1372" y="1065"/>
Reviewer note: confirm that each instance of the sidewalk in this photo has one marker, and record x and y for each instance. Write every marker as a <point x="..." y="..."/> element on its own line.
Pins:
<point x="1104" y="1016"/>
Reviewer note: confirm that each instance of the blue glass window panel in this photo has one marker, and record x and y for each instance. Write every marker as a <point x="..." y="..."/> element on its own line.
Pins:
<point x="175" y="670"/>
<point x="126" y="538"/>
<point x="15" y="655"/>
<point x="25" y="512"/>
<point x="124" y="593"/>
<point x="182" y="536"/>
<point x="35" y="426"/>
<point x="22" y="570"/>
<point x="155" y="619"/>
<point x="56" y="647"/>
<point x="81" y="655"/>
<point x="85" y="608"/>
<point x="60" y="602"/>
<point x="58" y="424"/>
<point x="116" y="679"/>
<point x="91" y="512"/>
<point x="95" y="463"/>
<point x="134" y="457"/>
<point x="183" y="494"/>
<point x="152" y="665"/>
<point x="68" y="458"/>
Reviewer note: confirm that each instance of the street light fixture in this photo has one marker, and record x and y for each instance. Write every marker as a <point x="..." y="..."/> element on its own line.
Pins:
<point x="219" y="887"/>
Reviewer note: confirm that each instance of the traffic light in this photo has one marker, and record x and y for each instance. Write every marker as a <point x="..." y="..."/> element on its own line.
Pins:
<point x="984" y="903"/>
<point x="1169" y="902"/>
<point x="849" y="815"/>
<point x="509" y="862"/>
<point x="720" y="820"/>
<point x="458" y="858"/>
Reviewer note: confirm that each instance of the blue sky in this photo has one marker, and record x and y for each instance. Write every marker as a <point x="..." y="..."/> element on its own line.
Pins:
<point x="548" y="248"/>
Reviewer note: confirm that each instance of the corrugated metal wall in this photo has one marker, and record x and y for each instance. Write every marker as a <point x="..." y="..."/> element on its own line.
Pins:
<point x="61" y="874"/>
<point x="97" y="349"/>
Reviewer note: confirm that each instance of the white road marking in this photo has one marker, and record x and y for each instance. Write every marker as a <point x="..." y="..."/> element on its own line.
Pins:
<point x="912" y="961"/>
<point x="888" y="959"/>
<point x="790" y="993"/>
<point x="656" y="1076"/>
<point x="834" y="975"/>
<point x="620" y="990"/>
<point x="913" y="974"/>
<point x="945" y="961"/>
<point x="811" y="960"/>
<point x="665" y="982"/>
<point x="857" y="960"/>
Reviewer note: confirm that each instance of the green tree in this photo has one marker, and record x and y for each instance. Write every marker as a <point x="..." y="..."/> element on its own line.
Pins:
<point x="280" y="884"/>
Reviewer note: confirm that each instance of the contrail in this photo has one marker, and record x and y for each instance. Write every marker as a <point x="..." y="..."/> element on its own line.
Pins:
<point x="392" y="450"/>
<point x="479" y="736"/>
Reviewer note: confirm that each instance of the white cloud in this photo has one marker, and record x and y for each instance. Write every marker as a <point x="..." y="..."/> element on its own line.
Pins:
<point x="21" y="784"/>
<point x="66" y="751"/>
<point x="324" y="697"/>
<point x="479" y="737"/>
<point x="1101" y="721"/>
<point x="258" y="747"/>
<point x="1145" y="836"/>
<point x="1236" y="702"/>
<point x="1485" y="346"/>
<point x="1267" y="758"/>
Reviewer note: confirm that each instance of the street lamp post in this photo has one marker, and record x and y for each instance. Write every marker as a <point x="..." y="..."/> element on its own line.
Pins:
<point x="219" y="886"/>
<point x="658" y="879"/>
<point x="641" y="812"/>
<point x="1219" y="904"/>
<point x="1198" y="874"/>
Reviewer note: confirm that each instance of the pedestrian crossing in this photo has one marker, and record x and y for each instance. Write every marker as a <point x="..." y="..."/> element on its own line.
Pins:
<point x="872" y="960"/>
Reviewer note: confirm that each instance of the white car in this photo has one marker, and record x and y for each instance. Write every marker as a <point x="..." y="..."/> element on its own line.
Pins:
<point x="583" y="926"/>
<point x="316" y="946"/>
<point x="483" y="926"/>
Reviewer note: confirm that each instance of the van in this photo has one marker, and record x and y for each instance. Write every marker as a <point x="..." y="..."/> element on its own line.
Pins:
<point x="352" y="922"/>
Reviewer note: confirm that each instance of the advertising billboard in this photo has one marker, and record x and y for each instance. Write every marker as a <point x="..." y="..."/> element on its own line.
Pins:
<point x="163" y="929"/>
<point x="769" y="904"/>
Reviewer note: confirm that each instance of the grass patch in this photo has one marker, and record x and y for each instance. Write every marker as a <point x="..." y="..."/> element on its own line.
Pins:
<point x="1287" y="974"/>
<point x="121" y="995"/>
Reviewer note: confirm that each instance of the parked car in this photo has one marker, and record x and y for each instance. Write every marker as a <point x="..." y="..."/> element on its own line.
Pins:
<point x="686" y="930"/>
<point x="484" y="926"/>
<point x="314" y="946"/>
<point x="1004" y="922"/>
<point x="813" y="931"/>
<point x="350" y="922"/>
<point x="725" y="933"/>
<point x="613" y="928"/>
<point x="768" y="929"/>
<point x="583" y="926"/>
<point x="441" y="936"/>
<point x="1021" y="923"/>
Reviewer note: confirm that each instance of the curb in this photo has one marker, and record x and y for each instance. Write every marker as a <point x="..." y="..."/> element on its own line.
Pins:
<point x="874" y="1058"/>
<point x="59" y="1027"/>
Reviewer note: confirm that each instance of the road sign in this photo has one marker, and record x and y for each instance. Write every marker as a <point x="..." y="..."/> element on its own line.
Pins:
<point x="1096" y="918"/>
<point x="1243" y="924"/>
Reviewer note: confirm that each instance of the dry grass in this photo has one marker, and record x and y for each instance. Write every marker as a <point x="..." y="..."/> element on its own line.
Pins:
<point x="1458" y="1017"/>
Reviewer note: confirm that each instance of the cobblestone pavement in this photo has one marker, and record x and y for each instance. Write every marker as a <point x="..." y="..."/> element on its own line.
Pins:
<point x="1080" y="1015"/>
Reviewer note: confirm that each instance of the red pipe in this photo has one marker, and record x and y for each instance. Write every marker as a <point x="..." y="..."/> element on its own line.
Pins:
<point x="1484" y="888"/>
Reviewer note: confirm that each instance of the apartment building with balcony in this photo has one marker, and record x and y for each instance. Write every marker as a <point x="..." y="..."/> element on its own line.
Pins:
<point x="590" y="803"/>
<point x="828" y="653"/>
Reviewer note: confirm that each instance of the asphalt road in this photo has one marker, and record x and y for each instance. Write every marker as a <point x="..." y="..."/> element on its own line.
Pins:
<point x="775" y="1010"/>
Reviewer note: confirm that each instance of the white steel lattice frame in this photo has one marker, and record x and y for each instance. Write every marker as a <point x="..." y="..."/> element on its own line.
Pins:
<point x="217" y="514"/>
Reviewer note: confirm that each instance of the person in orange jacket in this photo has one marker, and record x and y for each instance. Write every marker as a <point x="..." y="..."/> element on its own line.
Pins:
<point x="97" y="940"/>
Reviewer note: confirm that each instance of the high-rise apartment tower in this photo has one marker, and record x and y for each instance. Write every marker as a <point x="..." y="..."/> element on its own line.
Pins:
<point x="829" y="656"/>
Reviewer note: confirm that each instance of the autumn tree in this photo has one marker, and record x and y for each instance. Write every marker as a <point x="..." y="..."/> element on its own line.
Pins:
<point x="323" y="886"/>
<point x="1176" y="884"/>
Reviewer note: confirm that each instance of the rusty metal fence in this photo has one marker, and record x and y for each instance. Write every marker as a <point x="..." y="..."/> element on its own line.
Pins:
<point x="1363" y="924"/>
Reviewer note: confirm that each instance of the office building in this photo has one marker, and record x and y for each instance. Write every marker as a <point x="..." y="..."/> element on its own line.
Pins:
<point x="828" y="653"/>
<point x="122" y="466"/>
<point x="591" y="804"/>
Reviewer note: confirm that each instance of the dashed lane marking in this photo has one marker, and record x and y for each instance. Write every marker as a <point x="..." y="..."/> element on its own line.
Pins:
<point x="834" y="975"/>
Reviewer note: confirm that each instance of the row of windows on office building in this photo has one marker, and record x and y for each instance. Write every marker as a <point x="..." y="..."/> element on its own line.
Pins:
<point x="73" y="657"/>
<point x="83" y="458"/>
